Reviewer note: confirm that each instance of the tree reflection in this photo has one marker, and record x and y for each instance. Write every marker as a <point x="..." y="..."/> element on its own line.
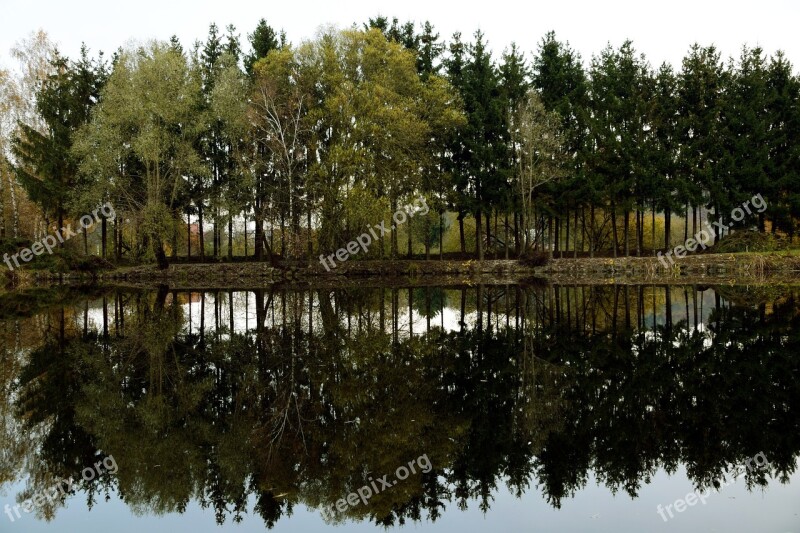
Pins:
<point x="287" y="397"/>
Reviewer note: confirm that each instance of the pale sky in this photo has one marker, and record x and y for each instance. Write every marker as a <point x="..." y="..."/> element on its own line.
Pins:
<point x="663" y="31"/>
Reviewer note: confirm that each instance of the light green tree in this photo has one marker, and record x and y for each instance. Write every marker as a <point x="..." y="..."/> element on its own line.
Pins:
<point x="540" y="156"/>
<point x="142" y="137"/>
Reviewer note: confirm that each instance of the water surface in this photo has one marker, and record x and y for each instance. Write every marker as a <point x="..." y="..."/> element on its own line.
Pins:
<point x="538" y="407"/>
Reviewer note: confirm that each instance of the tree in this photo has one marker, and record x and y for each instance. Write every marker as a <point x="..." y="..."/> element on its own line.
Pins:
<point x="456" y="163"/>
<point x="664" y="155"/>
<point x="513" y="91"/>
<point x="485" y="137"/>
<point x="701" y="86"/>
<point x="619" y="96"/>
<point x="262" y="40"/>
<point x="540" y="156"/>
<point x="35" y="56"/>
<point x="783" y="106"/>
<point x="279" y="105"/>
<point x="45" y="166"/>
<point x="372" y="121"/>
<point x="560" y="78"/>
<point x="143" y="135"/>
<point x="747" y="123"/>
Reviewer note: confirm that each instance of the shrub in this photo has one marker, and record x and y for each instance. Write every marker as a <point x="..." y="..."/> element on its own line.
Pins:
<point x="534" y="258"/>
<point x="749" y="241"/>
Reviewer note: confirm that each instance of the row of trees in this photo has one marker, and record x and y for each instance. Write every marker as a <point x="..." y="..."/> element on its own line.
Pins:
<point x="310" y="144"/>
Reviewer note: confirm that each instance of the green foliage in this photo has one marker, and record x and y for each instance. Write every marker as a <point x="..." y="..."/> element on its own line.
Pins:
<point x="290" y="138"/>
<point x="428" y="228"/>
<point x="45" y="166"/>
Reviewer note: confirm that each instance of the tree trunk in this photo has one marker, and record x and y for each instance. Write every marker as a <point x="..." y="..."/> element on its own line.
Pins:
<point x="591" y="231"/>
<point x="104" y="235"/>
<point x="158" y="250"/>
<point x="555" y="230"/>
<point x="201" y="231"/>
<point x="653" y="228"/>
<point x="15" y="209"/>
<point x="310" y="239"/>
<point x="478" y="235"/>
<point x="614" y="228"/>
<point x="626" y="222"/>
<point x="60" y="225"/>
<point x="259" y="235"/>
<point x="175" y="239"/>
<point x="408" y="233"/>
<point x="667" y="228"/>
<point x="506" y="234"/>
<point x="575" y="237"/>
<point x="441" y="236"/>
<point x="461" y="234"/>
<point x="394" y="246"/>
<point x="214" y="250"/>
<point x="118" y="238"/>
<point x="230" y="236"/>
<point x="489" y="230"/>
<point x="686" y="224"/>
<point x="283" y="236"/>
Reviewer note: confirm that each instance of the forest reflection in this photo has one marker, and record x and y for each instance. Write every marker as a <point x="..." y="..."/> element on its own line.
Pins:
<point x="261" y="400"/>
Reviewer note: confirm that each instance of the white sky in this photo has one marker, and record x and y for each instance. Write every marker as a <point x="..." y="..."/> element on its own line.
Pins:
<point x="663" y="31"/>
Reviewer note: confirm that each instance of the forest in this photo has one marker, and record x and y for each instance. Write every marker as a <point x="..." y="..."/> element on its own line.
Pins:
<point x="268" y="150"/>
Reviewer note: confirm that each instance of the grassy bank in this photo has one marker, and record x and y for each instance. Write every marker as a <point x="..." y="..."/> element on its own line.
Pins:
<point x="717" y="268"/>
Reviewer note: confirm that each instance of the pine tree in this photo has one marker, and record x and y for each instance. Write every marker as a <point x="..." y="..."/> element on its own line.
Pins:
<point x="486" y="137"/>
<point x="45" y="165"/>
<point x="514" y="86"/>
<point x="262" y="40"/>
<point x="456" y="164"/>
<point x="783" y="141"/>
<point x="701" y="136"/>
<point x="560" y="79"/>
<point x="663" y="156"/>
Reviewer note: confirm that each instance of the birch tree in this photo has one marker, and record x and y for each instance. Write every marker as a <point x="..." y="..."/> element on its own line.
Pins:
<point x="540" y="156"/>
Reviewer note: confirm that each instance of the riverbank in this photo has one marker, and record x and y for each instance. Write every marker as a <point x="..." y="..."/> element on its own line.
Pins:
<point x="701" y="268"/>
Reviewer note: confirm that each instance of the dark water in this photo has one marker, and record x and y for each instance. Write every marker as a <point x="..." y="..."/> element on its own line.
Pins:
<point x="519" y="408"/>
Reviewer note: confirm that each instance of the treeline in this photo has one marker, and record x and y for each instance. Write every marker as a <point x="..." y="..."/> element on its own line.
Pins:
<point x="297" y="149"/>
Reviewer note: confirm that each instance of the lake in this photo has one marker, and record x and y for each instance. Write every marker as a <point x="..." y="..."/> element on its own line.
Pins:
<point x="363" y="405"/>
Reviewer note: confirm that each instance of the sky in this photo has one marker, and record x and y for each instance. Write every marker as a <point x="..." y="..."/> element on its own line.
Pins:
<point x="662" y="31"/>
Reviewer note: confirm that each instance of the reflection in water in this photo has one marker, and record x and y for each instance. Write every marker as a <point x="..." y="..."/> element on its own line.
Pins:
<point x="294" y="396"/>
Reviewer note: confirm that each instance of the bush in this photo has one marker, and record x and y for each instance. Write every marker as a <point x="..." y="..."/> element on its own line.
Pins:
<point x="534" y="258"/>
<point x="60" y="261"/>
<point x="11" y="246"/>
<point x="750" y="241"/>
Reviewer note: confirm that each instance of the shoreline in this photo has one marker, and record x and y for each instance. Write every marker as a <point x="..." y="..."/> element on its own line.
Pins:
<point x="732" y="268"/>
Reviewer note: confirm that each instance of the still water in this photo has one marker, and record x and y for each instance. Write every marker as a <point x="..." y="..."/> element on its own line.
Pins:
<point x="455" y="408"/>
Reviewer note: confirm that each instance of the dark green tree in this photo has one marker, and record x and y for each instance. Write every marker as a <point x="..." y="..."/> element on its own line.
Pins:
<point x="45" y="165"/>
